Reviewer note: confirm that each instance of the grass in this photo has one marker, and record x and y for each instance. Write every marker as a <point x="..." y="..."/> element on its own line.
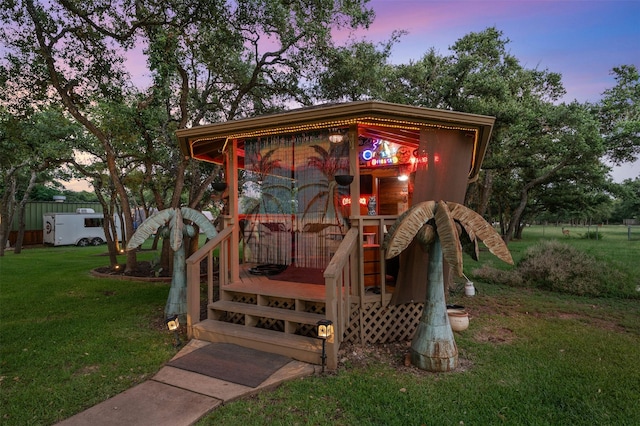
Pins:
<point x="69" y="341"/>
<point x="615" y="248"/>
<point x="529" y="357"/>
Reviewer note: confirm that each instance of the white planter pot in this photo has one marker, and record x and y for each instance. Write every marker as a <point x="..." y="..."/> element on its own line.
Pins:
<point x="458" y="319"/>
<point x="469" y="289"/>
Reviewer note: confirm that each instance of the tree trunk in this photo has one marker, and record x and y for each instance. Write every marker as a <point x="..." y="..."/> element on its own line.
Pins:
<point x="485" y="192"/>
<point x="7" y="209"/>
<point x="433" y="347"/>
<point x="517" y="215"/>
<point x="21" y="212"/>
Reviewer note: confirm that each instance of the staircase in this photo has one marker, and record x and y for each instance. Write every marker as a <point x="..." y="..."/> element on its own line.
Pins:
<point x="269" y="315"/>
<point x="276" y="321"/>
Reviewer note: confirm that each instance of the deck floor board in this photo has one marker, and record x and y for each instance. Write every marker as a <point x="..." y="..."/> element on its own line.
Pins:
<point x="260" y="284"/>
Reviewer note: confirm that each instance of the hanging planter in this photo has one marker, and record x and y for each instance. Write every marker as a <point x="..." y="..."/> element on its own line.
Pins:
<point x="343" y="180"/>
<point x="219" y="186"/>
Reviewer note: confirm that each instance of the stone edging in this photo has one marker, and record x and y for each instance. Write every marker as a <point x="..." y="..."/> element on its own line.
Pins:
<point x="95" y="273"/>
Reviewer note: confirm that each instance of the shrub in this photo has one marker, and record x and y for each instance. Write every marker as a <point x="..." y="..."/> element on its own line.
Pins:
<point x="556" y="266"/>
<point x="592" y="235"/>
<point x="488" y="273"/>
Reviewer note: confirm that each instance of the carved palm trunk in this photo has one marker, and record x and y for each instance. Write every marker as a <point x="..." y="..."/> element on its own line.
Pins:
<point x="177" y="300"/>
<point x="433" y="347"/>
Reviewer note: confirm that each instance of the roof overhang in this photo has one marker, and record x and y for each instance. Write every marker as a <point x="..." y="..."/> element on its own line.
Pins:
<point x="393" y="121"/>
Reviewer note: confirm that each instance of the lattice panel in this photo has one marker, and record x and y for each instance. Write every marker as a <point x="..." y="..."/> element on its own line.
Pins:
<point x="383" y="324"/>
<point x="405" y="319"/>
<point x="315" y="308"/>
<point x="308" y="330"/>
<point x="270" y="324"/>
<point x="244" y="298"/>
<point x="276" y="302"/>
<point x="232" y="317"/>
<point x="352" y="332"/>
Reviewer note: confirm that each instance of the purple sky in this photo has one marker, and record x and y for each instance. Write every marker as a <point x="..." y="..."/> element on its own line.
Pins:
<point x="580" y="39"/>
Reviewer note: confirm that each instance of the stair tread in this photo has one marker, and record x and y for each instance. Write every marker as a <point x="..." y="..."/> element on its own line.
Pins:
<point x="267" y="312"/>
<point x="261" y="335"/>
<point x="273" y="288"/>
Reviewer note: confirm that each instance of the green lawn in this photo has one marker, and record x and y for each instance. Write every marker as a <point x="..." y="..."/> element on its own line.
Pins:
<point x="69" y="340"/>
<point x="529" y="358"/>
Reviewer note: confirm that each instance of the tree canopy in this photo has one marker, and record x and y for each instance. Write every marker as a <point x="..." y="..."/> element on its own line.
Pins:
<point x="207" y="62"/>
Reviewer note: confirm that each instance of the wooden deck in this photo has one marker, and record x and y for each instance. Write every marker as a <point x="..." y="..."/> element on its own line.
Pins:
<point x="260" y="284"/>
<point x="263" y="285"/>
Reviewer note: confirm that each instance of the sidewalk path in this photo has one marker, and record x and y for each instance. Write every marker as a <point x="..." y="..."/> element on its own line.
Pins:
<point x="177" y="397"/>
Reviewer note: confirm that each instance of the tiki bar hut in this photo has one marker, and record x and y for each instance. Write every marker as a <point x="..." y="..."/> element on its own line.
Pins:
<point x="301" y="243"/>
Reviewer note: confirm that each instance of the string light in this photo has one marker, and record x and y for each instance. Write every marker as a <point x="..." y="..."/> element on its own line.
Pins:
<point x="325" y="125"/>
<point x="364" y="121"/>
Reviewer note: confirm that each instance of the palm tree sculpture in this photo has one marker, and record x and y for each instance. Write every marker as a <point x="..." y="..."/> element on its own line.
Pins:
<point x="437" y="227"/>
<point x="330" y="163"/>
<point x="177" y="300"/>
<point x="271" y="194"/>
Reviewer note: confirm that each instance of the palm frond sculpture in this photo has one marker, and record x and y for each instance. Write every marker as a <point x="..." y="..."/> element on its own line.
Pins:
<point x="330" y="163"/>
<point x="438" y="227"/>
<point x="175" y="230"/>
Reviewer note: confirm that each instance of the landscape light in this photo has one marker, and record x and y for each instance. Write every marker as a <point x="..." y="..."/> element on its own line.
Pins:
<point x="325" y="332"/>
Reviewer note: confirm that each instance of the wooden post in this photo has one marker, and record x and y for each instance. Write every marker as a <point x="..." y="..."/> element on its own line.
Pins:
<point x="193" y="296"/>
<point x="331" y="312"/>
<point x="232" y="184"/>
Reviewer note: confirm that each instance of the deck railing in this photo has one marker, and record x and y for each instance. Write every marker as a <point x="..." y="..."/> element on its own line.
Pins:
<point x="222" y="242"/>
<point x="372" y="231"/>
<point x="340" y="277"/>
<point x="344" y="277"/>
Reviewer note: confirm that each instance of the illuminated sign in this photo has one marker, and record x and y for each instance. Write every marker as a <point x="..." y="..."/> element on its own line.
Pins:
<point x="346" y="201"/>
<point x="384" y="153"/>
<point x="384" y="161"/>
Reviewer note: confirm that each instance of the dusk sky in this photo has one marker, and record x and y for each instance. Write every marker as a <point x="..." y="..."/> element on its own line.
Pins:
<point x="580" y="39"/>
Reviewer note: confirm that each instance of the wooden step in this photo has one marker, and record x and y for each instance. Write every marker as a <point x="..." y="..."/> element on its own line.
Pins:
<point x="302" y="348"/>
<point x="264" y="286"/>
<point x="266" y="312"/>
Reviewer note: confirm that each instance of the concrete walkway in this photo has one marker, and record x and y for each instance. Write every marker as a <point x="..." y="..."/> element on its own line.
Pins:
<point x="177" y="397"/>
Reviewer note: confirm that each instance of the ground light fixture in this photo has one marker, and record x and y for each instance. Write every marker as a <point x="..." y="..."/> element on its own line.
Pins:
<point x="174" y="325"/>
<point x="325" y="332"/>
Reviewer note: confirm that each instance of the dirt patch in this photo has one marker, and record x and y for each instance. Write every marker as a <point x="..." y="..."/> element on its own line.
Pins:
<point x="494" y="335"/>
<point x="592" y="321"/>
<point x="144" y="269"/>
<point x="87" y="370"/>
<point x="394" y="355"/>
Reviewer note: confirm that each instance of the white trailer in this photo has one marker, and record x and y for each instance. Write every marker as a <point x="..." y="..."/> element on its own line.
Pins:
<point x="82" y="228"/>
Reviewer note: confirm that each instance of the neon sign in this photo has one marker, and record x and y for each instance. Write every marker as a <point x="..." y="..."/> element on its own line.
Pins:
<point x="385" y="153"/>
<point x="384" y="161"/>
<point x="346" y="201"/>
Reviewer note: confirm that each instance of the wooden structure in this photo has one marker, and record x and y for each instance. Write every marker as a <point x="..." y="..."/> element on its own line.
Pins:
<point x="294" y="213"/>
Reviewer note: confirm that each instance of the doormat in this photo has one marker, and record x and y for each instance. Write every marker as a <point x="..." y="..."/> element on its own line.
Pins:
<point x="300" y="275"/>
<point x="232" y="363"/>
